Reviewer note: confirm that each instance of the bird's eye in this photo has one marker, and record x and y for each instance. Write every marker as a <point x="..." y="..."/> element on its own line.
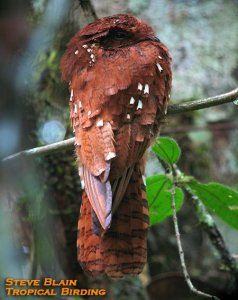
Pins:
<point x="116" y="37"/>
<point x="119" y="35"/>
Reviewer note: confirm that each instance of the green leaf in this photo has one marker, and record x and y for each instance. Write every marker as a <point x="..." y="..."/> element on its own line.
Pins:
<point x="167" y="149"/>
<point x="160" y="198"/>
<point x="219" y="199"/>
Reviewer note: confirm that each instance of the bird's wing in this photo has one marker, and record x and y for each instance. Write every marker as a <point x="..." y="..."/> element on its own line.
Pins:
<point x="114" y="101"/>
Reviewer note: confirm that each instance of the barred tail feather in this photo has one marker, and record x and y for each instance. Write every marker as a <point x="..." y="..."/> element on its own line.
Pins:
<point x="122" y="249"/>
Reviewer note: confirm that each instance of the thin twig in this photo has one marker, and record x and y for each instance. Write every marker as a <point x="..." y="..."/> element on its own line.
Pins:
<point x="210" y="227"/>
<point x="208" y="224"/>
<point x="172" y="109"/>
<point x="43" y="150"/>
<point x="88" y="10"/>
<point x="180" y="248"/>
<point x="203" y="103"/>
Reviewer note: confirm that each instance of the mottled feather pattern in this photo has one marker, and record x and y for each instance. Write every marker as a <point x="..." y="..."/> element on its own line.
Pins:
<point x="120" y="82"/>
<point x="121" y="250"/>
<point x="123" y="139"/>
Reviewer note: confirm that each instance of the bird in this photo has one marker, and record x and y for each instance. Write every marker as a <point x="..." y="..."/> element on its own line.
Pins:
<point x="119" y="76"/>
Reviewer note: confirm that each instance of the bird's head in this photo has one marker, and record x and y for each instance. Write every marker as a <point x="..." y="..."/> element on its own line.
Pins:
<point x="117" y="31"/>
<point x="110" y="33"/>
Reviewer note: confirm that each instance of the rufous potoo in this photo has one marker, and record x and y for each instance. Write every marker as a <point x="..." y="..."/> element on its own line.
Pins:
<point x="119" y="76"/>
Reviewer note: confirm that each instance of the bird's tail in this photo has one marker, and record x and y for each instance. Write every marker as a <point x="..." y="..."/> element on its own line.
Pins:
<point x="122" y="249"/>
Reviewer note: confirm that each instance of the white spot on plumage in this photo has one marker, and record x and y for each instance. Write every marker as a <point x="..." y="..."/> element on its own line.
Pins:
<point x="93" y="45"/>
<point x="151" y="132"/>
<point x="85" y="46"/>
<point x="92" y="56"/>
<point x="132" y="100"/>
<point x="76" y="52"/>
<point x="82" y="184"/>
<point x="128" y="116"/>
<point x="89" y="113"/>
<point x="160" y="57"/>
<point x="71" y="95"/>
<point x="159" y="67"/>
<point x="89" y="50"/>
<point x="110" y="155"/>
<point x="75" y="108"/>
<point x="140" y="86"/>
<point x="144" y="180"/>
<point x="80" y="104"/>
<point x="99" y="123"/>
<point x="80" y="170"/>
<point x="146" y="89"/>
<point x="140" y="105"/>
<point x="169" y="96"/>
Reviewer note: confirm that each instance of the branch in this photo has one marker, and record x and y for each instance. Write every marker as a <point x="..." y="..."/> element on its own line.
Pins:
<point x="88" y="10"/>
<point x="180" y="248"/>
<point x="208" y="225"/>
<point x="203" y="103"/>
<point x="215" y="236"/>
<point x="172" y="110"/>
<point x="43" y="150"/>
